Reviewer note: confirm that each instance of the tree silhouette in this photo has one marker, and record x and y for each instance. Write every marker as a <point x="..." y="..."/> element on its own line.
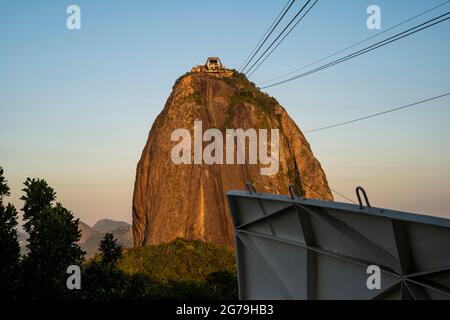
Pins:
<point x="110" y="251"/>
<point x="9" y="245"/>
<point x="52" y="244"/>
<point x="103" y="278"/>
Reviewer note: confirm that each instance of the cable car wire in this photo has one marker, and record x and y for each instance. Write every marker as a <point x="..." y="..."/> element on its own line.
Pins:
<point x="265" y="34"/>
<point x="274" y="48"/>
<point x="355" y="44"/>
<point x="268" y="35"/>
<point x="377" y="45"/>
<point x="279" y="35"/>
<point x="378" y="114"/>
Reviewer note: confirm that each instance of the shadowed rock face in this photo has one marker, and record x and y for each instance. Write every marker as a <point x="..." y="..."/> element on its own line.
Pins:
<point x="188" y="200"/>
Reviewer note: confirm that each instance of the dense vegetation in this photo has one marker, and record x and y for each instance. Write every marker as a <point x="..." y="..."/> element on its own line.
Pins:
<point x="179" y="260"/>
<point x="248" y="92"/>
<point x="180" y="269"/>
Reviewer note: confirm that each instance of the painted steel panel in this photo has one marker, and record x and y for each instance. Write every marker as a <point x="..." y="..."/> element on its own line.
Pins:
<point x="295" y="248"/>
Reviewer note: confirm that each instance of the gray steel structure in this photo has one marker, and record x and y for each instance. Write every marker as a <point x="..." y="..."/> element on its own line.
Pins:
<point x="294" y="248"/>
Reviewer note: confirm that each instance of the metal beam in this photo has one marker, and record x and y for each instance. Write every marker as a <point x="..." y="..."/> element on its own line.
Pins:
<point x="266" y="217"/>
<point x="305" y="224"/>
<point x="388" y="259"/>
<point x="326" y="252"/>
<point x="383" y="294"/>
<point x="272" y="272"/>
<point x="402" y="262"/>
<point x="430" y="285"/>
<point x="401" y="237"/>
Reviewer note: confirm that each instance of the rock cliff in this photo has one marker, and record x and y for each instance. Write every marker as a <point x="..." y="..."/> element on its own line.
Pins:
<point x="188" y="200"/>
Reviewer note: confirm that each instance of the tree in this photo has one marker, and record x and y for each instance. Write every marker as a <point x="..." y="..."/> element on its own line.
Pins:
<point x="110" y="251"/>
<point x="10" y="250"/>
<point x="224" y="284"/>
<point x="104" y="280"/>
<point x="52" y="244"/>
<point x="38" y="197"/>
<point x="101" y="282"/>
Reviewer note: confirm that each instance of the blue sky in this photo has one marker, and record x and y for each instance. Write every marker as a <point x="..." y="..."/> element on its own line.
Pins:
<point x="76" y="106"/>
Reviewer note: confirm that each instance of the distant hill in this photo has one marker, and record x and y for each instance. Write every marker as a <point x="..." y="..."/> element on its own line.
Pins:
<point x="108" y="225"/>
<point x="124" y="236"/>
<point x="90" y="246"/>
<point x="86" y="232"/>
<point x="91" y="237"/>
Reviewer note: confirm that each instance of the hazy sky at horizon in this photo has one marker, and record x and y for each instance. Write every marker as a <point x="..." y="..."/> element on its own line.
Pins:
<point x="76" y="106"/>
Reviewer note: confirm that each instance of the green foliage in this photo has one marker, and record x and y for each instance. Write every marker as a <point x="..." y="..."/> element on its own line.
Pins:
<point x="102" y="282"/>
<point x="102" y="279"/>
<point x="52" y="244"/>
<point x="183" y="269"/>
<point x="260" y="100"/>
<point x="9" y="245"/>
<point x="224" y="284"/>
<point x="247" y="92"/>
<point x="110" y="251"/>
<point x="38" y="197"/>
<point x="179" y="260"/>
<point x="195" y="97"/>
<point x="163" y="272"/>
<point x="4" y="188"/>
<point x="180" y="269"/>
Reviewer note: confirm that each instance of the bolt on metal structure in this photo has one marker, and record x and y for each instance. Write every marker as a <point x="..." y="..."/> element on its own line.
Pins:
<point x="289" y="247"/>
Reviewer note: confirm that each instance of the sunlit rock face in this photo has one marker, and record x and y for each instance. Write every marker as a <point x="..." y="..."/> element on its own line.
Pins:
<point x="189" y="200"/>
